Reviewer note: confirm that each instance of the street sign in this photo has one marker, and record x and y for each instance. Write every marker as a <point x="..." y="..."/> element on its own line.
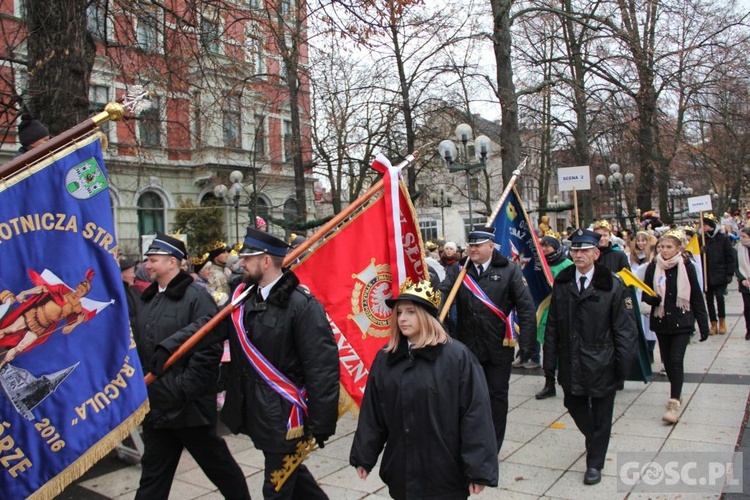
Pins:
<point x="699" y="203"/>
<point x="570" y="178"/>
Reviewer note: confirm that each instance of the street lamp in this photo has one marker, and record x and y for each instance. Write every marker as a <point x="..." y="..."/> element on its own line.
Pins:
<point x="459" y="158"/>
<point x="233" y="194"/>
<point x="680" y="193"/>
<point x="442" y="202"/>
<point x="616" y="183"/>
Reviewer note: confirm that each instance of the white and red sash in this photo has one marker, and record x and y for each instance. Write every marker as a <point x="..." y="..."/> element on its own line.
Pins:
<point x="481" y="295"/>
<point x="271" y="375"/>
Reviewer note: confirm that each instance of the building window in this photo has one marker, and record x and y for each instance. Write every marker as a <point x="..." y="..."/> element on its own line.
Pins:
<point x="150" y="213"/>
<point x="260" y="136"/>
<point x="98" y="98"/>
<point x="233" y="122"/>
<point x="288" y="142"/>
<point x="149" y="126"/>
<point x="96" y="15"/>
<point x="254" y="50"/>
<point x="285" y="6"/>
<point x="260" y="207"/>
<point x="147" y="34"/>
<point x="479" y="220"/>
<point x="429" y="229"/>
<point x="210" y="35"/>
<point x="290" y="214"/>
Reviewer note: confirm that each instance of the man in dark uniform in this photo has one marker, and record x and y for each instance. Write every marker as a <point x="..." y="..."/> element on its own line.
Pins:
<point x="283" y="382"/>
<point x="591" y="335"/>
<point x="482" y="330"/>
<point x="183" y="398"/>
<point x="611" y="256"/>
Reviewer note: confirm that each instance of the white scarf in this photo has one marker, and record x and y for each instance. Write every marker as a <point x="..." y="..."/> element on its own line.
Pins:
<point x="744" y="260"/>
<point x="660" y="283"/>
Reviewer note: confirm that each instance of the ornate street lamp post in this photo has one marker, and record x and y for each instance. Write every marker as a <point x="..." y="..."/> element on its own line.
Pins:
<point x="616" y="183"/>
<point x="459" y="158"/>
<point x="233" y="194"/>
<point x="442" y="202"/>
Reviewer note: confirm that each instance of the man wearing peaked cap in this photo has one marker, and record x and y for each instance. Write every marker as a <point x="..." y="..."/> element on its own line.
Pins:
<point x="183" y="411"/>
<point x="482" y="329"/>
<point x="31" y="133"/>
<point x="591" y="342"/>
<point x="285" y="324"/>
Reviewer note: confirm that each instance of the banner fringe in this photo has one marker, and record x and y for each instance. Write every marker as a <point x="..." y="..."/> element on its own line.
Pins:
<point x="56" y="485"/>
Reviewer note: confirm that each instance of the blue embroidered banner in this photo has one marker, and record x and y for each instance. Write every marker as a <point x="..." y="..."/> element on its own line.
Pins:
<point x="71" y="386"/>
<point x="518" y="242"/>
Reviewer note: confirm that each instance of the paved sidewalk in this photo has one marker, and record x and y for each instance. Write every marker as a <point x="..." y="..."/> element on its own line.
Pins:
<point x="543" y="453"/>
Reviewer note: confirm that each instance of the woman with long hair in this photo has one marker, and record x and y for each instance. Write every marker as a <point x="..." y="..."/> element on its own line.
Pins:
<point x="641" y="255"/>
<point x="675" y="309"/>
<point x="427" y="404"/>
<point x="743" y="275"/>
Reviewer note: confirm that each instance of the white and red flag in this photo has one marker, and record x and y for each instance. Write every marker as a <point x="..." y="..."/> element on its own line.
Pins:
<point x="353" y="270"/>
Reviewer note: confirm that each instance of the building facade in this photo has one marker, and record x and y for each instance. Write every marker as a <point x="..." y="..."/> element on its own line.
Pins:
<point x="218" y="103"/>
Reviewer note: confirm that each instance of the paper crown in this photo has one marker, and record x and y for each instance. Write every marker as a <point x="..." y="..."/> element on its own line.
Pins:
<point x="199" y="261"/>
<point x="710" y="216"/>
<point x="675" y="233"/>
<point x="603" y="223"/>
<point x="217" y="245"/>
<point x="421" y="293"/>
<point x="553" y="234"/>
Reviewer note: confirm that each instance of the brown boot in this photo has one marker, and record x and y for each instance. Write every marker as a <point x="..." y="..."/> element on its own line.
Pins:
<point x="714" y="328"/>
<point x="722" y="326"/>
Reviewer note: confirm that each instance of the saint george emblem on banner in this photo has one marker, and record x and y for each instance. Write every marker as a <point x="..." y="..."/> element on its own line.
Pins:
<point x="85" y="180"/>
<point x="371" y="289"/>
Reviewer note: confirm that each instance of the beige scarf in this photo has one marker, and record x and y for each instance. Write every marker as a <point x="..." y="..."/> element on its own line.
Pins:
<point x="660" y="283"/>
<point x="744" y="260"/>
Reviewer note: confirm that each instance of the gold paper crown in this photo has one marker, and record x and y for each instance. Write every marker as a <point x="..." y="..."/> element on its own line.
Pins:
<point x="554" y="234"/>
<point x="422" y="290"/>
<point x="603" y="223"/>
<point x="675" y="233"/>
<point x="197" y="261"/>
<point x="217" y="245"/>
<point x="710" y="216"/>
<point x="291" y="238"/>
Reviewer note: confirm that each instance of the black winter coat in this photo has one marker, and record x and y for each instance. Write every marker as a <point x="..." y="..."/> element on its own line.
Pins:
<point x="720" y="261"/>
<point x="291" y="330"/>
<point x="613" y="258"/>
<point x="675" y="320"/>
<point x="430" y="409"/>
<point x="591" y="336"/>
<point x="478" y="327"/>
<point x="185" y="396"/>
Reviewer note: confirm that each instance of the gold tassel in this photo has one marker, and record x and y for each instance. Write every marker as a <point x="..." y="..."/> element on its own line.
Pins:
<point x="295" y="433"/>
<point x="509" y="342"/>
<point x="291" y="462"/>
<point x="56" y="485"/>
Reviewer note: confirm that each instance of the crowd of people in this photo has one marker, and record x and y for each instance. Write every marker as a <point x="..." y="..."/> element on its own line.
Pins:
<point x="436" y="401"/>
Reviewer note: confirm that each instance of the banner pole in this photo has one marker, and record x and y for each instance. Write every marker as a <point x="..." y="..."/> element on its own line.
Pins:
<point x="112" y="112"/>
<point x="575" y="207"/>
<point x="291" y="256"/>
<point x="490" y="221"/>
<point x="703" y="255"/>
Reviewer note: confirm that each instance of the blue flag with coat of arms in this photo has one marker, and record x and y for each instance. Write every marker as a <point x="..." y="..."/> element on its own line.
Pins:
<point x="71" y="385"/>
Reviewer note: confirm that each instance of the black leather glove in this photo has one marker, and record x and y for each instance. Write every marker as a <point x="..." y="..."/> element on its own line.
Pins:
<point x="321" y="439"/>
<point x="160" y="357"/>
<point x="704" y="336"/>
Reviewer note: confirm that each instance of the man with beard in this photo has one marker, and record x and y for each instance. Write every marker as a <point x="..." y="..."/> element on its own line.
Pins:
<point x="557" y="258"/>
<point x="283" y="382"/>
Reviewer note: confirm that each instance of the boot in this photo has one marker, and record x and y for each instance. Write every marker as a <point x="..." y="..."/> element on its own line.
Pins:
<point x="713" y="329"/>
<point x="722" y="326"/>
<point x="673" y="412"/>
<point x="548" y="391"/>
